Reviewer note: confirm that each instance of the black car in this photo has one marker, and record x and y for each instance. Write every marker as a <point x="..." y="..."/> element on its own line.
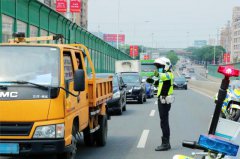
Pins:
<point x="136" y="89"/>
<point x="118" y="102"/>
<point x="180" y="83"/>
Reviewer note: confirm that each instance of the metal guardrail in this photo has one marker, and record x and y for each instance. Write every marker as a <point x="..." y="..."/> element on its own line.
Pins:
<point x="212" y="69"/>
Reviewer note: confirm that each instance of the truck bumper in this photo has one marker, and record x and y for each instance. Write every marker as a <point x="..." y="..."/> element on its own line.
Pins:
<point x="31" y="147"/>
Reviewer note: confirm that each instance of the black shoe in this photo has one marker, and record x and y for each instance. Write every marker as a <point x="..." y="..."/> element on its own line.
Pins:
<point x="165" y="145"/>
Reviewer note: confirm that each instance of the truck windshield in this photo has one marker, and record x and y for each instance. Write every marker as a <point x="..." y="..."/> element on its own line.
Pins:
<point x="38" y="65"/>
<point x="148" y="68"/>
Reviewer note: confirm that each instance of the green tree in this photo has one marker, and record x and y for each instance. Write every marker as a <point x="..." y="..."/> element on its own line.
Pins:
<point x="206" y="53"/>
<point x="173" y="57"/>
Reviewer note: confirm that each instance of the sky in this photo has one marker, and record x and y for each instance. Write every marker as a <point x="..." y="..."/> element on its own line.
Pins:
<point x="160" y="23"/>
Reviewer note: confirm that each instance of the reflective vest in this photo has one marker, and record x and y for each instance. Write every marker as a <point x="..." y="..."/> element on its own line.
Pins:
<point x="165" y="87"/>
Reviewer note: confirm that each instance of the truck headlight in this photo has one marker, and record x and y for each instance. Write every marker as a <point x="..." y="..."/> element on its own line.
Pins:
<point x="49" y="131"/>
<point x="116" y="95"/>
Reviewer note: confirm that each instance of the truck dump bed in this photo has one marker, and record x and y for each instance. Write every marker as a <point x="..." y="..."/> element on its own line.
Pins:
<point x="100" y="90"/>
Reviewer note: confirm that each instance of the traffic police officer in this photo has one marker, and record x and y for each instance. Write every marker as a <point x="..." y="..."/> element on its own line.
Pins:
<point x="165" y="98"/>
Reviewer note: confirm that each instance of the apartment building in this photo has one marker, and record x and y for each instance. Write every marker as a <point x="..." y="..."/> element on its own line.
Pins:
<point x="80" y="18"/>
<point x="225" y="37"/>
<point x="235" y="54"/>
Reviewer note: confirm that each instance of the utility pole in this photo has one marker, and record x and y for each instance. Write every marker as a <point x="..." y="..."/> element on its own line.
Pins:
<point x="187" y="39"/>
<point x="68" y="14"/>
<point x="118" y="24"/>
<point x="99" y="31"/>
<point x="152" y="41"/>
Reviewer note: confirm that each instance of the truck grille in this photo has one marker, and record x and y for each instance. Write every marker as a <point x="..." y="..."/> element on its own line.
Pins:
<point x="15" y="129"/>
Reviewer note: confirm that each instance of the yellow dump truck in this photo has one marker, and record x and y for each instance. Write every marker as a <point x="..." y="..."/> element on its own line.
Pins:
<point x="47" y="98"/>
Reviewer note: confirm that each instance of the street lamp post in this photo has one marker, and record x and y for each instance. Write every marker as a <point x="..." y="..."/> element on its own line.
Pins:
<point x="152" y="41"/>
<point x="214" y="50"/>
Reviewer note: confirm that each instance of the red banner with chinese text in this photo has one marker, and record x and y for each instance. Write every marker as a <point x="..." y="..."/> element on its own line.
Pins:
<point x="226" y="58"/>
<point x="61" y="5"/>
<point x="133" y="50"/>
<point x="75" y="6"/>
<point x="114" y="37"/>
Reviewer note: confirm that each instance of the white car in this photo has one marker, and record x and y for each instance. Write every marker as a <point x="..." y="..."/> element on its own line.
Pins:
<point x="187" y="76"/>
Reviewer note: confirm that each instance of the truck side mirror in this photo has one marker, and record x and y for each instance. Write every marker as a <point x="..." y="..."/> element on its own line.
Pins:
<point x="79" y="80"/>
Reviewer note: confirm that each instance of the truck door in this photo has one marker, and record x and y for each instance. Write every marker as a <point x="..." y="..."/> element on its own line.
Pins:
<point x="82" y="106"/>
<point x="71" y="101"/>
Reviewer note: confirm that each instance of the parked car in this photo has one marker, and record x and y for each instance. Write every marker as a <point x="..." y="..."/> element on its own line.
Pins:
<point x="149" y="88"/>
<point x="118" y="102"/>
<point x="136" y="89"/>
<point x="180" y="83"/>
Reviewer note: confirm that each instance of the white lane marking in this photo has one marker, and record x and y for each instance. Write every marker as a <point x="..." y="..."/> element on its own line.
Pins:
<point x="152" y="113"/>
<point x="143" y="139"/>
<point x="202" y="93"/>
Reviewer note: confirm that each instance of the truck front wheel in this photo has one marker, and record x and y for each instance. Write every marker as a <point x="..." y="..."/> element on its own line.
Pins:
<point x="72" y="153"/>
<point x="101" y="134"/>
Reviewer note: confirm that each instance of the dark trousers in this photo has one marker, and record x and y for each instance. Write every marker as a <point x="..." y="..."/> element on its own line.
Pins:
<point x="164" y="117"/>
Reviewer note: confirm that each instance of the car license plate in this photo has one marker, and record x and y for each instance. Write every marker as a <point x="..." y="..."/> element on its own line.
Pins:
<point x="9" y="148"/>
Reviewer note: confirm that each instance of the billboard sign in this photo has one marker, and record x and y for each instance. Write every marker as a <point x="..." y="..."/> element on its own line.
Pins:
<point x="75" y="6"/>
<point x="113" y="38"/>
<point x="61" y="5"/>
<point x="133" y="50"/>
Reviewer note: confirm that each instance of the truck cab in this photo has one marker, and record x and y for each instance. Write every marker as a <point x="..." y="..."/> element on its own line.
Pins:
<point x="47" y="99"/>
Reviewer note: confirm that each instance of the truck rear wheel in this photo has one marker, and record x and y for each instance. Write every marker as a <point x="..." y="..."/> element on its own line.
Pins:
<point x="101" y="134"/>
<point x="89" y="139"/>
